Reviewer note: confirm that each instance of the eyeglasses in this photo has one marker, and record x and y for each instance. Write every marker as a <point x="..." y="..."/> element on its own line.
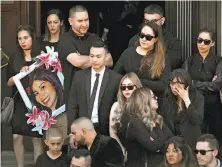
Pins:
<point x="206" y="41"/>
<point x="154" y="20"/>
<point x="148" y="37"/>
<point x="175" y="83"/>
<point x="129" y="87"/>
<point x="202" y="152"/>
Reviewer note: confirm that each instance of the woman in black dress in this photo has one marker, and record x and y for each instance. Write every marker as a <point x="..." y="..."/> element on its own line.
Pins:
<point x="205" y="69"/>
<point x="54" y="28"/>
<point x="178" y="154"/>
<point x="183" y="107"/>
<point x="142" y="131"/>
<point x="19" y="61"/>
<point x="147" y="60"/>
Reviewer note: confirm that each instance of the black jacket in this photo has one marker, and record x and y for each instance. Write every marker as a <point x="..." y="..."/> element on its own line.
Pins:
<point x="106" y="152"/>
<point x="80" y="95"/>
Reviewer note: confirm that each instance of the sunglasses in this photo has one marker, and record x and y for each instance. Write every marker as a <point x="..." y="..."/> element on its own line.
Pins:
<point x="202" y="152"/>
<point x="154" y="20"/>
<point x="206" y="41"/>
<point x="129" y="87"/>
<point x="148" y="37"/>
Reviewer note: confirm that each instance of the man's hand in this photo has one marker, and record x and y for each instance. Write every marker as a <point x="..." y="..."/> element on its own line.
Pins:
<point x="72" y="142"/>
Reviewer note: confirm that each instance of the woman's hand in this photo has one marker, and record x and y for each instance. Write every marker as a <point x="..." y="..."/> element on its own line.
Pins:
<point x="24" y="69"/>
<point x="184" y="94"/>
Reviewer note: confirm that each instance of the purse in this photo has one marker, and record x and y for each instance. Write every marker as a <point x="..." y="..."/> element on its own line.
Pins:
<point x="7" y="109"/>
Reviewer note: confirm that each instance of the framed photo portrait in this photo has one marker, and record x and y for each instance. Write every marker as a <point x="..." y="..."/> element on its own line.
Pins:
<point x="43" y="97"/>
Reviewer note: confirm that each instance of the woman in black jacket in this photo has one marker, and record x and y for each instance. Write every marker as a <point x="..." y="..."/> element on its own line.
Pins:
<point x="205" y="68"/>
<point x="183" y="107"/>
<point x="142" y="130"/>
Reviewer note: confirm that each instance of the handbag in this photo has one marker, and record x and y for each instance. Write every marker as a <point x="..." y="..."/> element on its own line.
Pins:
<point x="7" y="109"/>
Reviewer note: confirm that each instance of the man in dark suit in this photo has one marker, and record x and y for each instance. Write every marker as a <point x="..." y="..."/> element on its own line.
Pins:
<point x="94" y="90"/>
<point x="172" y="44"/>
<point x="104" y="150"/>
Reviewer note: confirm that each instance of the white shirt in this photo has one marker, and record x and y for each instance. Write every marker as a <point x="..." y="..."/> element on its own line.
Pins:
<point x="94" y="117"/>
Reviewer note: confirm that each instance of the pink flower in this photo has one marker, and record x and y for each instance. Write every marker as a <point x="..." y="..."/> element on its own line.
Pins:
<point x="44" y="57"/>
<point x="33" y="116"/>
<point x="56" y="64"/>
<point x="47" y="120"/>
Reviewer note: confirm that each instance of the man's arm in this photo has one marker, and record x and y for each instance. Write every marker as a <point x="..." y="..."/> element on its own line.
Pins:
<point x="82" y="61"/>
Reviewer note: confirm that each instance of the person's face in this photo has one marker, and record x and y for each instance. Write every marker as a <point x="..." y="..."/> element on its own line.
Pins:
<point x="127" y="87"/>
<point x="144" y="42"/>
<point x="156" y="18"/>
<point x="154" y="104"/>
<point x="79" y="22"/>
<point x="54" y="24"/>
<point x="78" y="162"/>
<point x="97" y="58"/>
<point x="173" y="156"/>
<point x="25" y="40"/>
<point x="174" y="85"/>
<point x="209" y="155"/>
<point x="54" y="144"/>
<point x="78" y="134"/>
<point x="204" y="47"/>
<point x="45" y="93"/>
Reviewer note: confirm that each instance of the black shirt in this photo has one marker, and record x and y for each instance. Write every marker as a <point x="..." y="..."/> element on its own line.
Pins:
<point x="50" y="44"/>
<point x="71" y="43"/>
<point x="44" y="160"/>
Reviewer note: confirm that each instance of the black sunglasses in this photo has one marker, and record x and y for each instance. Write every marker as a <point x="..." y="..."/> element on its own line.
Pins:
<point x="206" y="41"/>
<point x="129" y="87"/>
<point x="202" y="152"/>
<point x="148" y="37"/>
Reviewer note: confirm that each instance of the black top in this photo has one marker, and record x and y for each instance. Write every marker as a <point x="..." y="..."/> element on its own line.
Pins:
<point x="50" y="44"/>
<point x="187" y="122"/>
<point x="44" y="160"/>
<point x="202" y="73"/>
<point x="130" y="62"/>
<point x="71" y="43"/>
<point x="136" y="139"/>
<point x="173" y="48"/>
<point x="106" y="152"/>
<point x="19" y="121"/>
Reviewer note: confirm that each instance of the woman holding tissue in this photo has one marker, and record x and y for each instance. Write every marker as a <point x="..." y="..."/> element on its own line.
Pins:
<point x="18" y="62"/>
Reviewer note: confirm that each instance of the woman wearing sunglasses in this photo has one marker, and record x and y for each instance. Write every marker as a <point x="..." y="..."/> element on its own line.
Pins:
<point x="178" y="154"/>
<point x="143" y="132"/>
<point x="205" y="68"/>
<point x="183" y="107"/>
<point x="128" y="84"/>
<point x="147" y="60"/>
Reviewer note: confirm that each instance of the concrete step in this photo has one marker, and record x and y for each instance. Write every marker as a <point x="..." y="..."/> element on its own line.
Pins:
<point x="8" y="159"/>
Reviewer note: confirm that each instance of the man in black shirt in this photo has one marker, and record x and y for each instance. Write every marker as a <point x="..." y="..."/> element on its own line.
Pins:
<point x="173" y="45"/>
<point x="105" y="151"/>
<point x="74" y="46"/>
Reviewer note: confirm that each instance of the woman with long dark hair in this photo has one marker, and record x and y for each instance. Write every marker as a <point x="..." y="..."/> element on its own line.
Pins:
<point x="47" y="92"/>
<point x="54" y="28"/>
<point x="178" y="154"/>
<point x="205" y="69"/>
<point x="147" y="60"/>
<point x="183" y="107"/>
<point x="19" y="61"/>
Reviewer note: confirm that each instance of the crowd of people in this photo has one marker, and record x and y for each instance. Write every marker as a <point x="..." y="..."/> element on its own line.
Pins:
<point x="146" y="108"/>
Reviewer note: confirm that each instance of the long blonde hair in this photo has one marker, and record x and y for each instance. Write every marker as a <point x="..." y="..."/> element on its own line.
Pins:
<point x="139" y="106"/>
<point x="120" y="97"/>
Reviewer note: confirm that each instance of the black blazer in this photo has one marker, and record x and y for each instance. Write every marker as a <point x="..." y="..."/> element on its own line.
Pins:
<point x="191" y="118"/>
<point x="106" y="152"/>
<point x="79" y="97"/>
